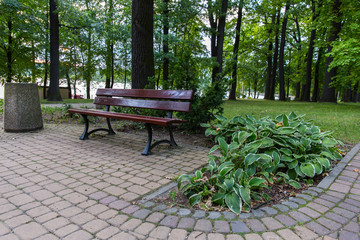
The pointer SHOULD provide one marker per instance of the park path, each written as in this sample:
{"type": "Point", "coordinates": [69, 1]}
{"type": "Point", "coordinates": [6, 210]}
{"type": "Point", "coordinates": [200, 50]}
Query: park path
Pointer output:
{"type": "Point", "coordinates": [54, 186]}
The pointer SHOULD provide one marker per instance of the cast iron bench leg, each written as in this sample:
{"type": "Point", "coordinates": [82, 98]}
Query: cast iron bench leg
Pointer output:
{"type": "Point", "coordinates": [85, 134]}
{"type": "Point", "coordinates": [148, 147]}
{"type": "Point", "coordinates": [111, 131]}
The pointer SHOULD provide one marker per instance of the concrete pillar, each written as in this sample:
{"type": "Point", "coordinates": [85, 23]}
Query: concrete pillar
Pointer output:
{"type": "Point", "coordinates": [22, 111]}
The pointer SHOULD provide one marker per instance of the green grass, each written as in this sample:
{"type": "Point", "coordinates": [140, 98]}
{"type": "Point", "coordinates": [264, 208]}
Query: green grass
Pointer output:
{"type": "Point", "coordinates": [44, 101]}
{"type": "Point", "coordinates": [343, 119]}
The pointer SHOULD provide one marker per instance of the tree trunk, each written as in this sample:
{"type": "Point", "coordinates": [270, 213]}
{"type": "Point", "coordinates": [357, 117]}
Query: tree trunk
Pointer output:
{"type": "Point", "coordinates": [46, 73]}
{"type": "Point", "coordinates": [329, 94]}
{"type": "Point", "coordinates": [232, 94]}
{"type": "Point", "coordinates": [68, 80]}
{"type": "Point", "coordinates": [166, 45]}
{"type": "Point", "coordinates": [109, 44]}
{"type": "Point", "coordinates": [355, 91]}
{"type": "Point", "coordinates": [269, 82]}
{"type": "Point", "coordinates": [281, 55]}
{"type": "Point", "coordinates": [315, 95]}
{"type": "Point", "coordinates": [275, 58]}
{"type": "Point", "coordinates": [142, 43]}
{"type": "Point", "coordinates": [298, 90]}
{"type": "Point", "coordinates": [54, 91]}
{"type": "Point", "coordinates": [9, 51]}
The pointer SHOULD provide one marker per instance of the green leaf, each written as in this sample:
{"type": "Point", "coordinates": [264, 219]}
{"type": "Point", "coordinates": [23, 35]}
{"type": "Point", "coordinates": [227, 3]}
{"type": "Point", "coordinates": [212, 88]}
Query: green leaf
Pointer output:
{"type": "Point", "coordinates": [209, 132]}
{"type": "Point", "coordinates": [251, 158]}
{"type": "Point", "coordinates": [223, 145]}
{"type": "Point", "coordinates": [284, 175]}
{"type": "Point", "coordinates": [294, 184]}
{"type": "Point", "coordinates": [238, 174]}
{"type": "Point", "coordinates": [194, 199]}
{"type": "Point", "coordinates": [292, 116]}
{"type": "Point", "coordinates": [315, 130]}
{"type": "Point", "coordinates": [251, 170]}
{"type": "Point", "coordinates": [286, 130]}
{"type": "Point", "coordinates": [225, 168]}
{"type": "Point", "coordinates": [245, 194]}
{"type": "Point", "coordinates": [293, 164]}
{"type": "Point", "coordinates": [328, 155]}
{"type": "Point", "coordinates": [229, 183]}
{"type": "Point", "coordinates": [301, 128]}
{"type": "Point", "coordinates": [285, 121]}
{"type": "Point", "coordinates": [308, 169]}
{"type": "Point", "coordinates": [276, 157]}
{"type": "Point", "coordinates": [285, 158]}
{"type": "Point", "coordinates": [242, 136]}
{"type": "Point", "coordinates": [198, 174]}
{"type": "Point", "coordinates": [318, 168]}
{"type": "Point", "coordinates": [266, 142]}
{"type": "Point", "coordinates": [254, 182]}
{"type": "Point", "coordinates": [233, 202]}
{"type": "Point", "coordinates": [207, 125]}
{"type": "Point", "coordinates": [218, 198]}
{"type": "Point", "coordinates": [292, 174]}
{"type": "Point", "coordinates": [221, 118]}
{"type": "Point", "coordinates": [324, 162]}
{"type": "Point", "coordinates": [214, 148]}
{"type": "Point", "coordinates": [286, 151]}
{"type": "Point", "coordinates": [329, 142]}
{"type": "Point", "coordinates": [183, 178]}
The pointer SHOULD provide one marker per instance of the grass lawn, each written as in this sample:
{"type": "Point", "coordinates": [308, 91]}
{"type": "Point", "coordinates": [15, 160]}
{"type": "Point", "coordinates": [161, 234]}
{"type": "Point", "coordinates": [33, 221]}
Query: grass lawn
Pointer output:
{"type": "Point", "coordinates": [44, 101]}
{"type": "Point", "coordinates": [343, 119]}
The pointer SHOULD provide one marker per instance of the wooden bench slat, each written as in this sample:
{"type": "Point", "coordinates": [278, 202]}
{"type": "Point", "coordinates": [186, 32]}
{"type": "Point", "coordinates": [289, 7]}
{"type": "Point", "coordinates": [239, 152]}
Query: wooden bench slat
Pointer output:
{"type": "Point", "coordinates": [147, 93]}
{"type": "Point", "coordinates": [141, 103]}
{"type": "Point", "coordinates": [131, 117]}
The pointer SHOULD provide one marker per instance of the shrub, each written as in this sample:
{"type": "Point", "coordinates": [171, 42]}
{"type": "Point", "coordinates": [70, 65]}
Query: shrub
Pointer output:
{"type": "Point", "coordinates": [1, 105]}
{"type": "Point", "coordinates": [256, 154]}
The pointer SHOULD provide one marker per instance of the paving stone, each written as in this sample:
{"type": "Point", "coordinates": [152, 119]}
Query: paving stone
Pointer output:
{"type": "Point", "coordinates": [30, 230]}
{"type": "Point", "coordinates": [149, 204]}
{"type": "Point", "coordinates": [343, 212]}
{"type": "Point", "coordinates": [229, 215]}
{"type": "Point", "coordinates": [221, 227]}
{"type": "Point", "coordinates": [118, 220]}
{"type": "Point", "coordinates": [312, 193]}
{"type": "Point", "coordinates": [186, 223]}
{"type": "Point", "coordinates": [17, 221]}
{"type": "Point", "coordinates": [171, 210]}
{"type": "Point", "coordinates": [253, 236]}
{"type": "Point", "coordinates": [319, 229]}
{"type": "Point", "coordinates": [271, 223]}
{"type": "Point", "coordinates": [203, 226]}
{"type": "Point", "coordinates": [330, 224]}
{"type": "Point", "coordinates": [130, 224]}
{"type": "Point", "coordinates": [291, 204]}
{"type": "Point", "coordinates": [324, 202]}
{"type": "Point", "coordinates": [47, 237]}
{"type": "Point", "coordinates": [345, 235]}
{"type": "Point", "coordinates": [300, 217]}
{"type": "Point", "coordinates": [197, 236]}
{"type": "Point", "coordinates": [107, 232]}
{"type": "Point", "coordinates": [155, 217]}
{"type": "Point", "coordinates": [214, 215]}
{"type": "Point", "coordinates": [233, 237]}
{"type": "Point", "coordinates": [160, 232]}
{"type": "Point", "coordinates": [170, 221]}
{"type": "Point", "coordinates": [178, 234]}
{"type": "Point", "coordinates": [9, 237]}
{"type": "Point", "coordinates": [352, 227]}
{"type": "Point", "coordinates": [304, 196]}
{"type": "Point", "coordinates": [216, 236]}
{"type": "Point", "coordinates": [130, 209]}
{"type": "Point", "coordinates": [304, 233]}
{"type": "Point", "coordinates": [269, 211]}
{"type": "Point", "coordinates": [258, 213]}
{"type": "Point", "coordinates": [142, 213]}
{"type": "Point", "coordinates": [66, 230]}
{"type": "Point", "coordinates": [256, 225]}
{"type": "Point", "coordinates": [160, 207]}
{"type": "Point", "coordinates": [95, 225]}
{"type": "Point", "coordinates": [3, 229]}
{"type": "Point", "coordinates": [310, 212]}
{"type": "Point", "coordinates": [199, 214]}
{"type": "Point", "coordinates": [336, 217]}
{"type": "Point", "coordinates": [352, 202]}
{"type": "Point", "coordinates": [328, 197]}
{"type": "Point", "coordinates": [349, 207]}
{"type": "Point", "coordinates": [245, 215]}
{"type": "Point", "coordinates": [319, 208]}
{"type": "Point", "coordinates": [145, 228]}
{"type": "Point", "coordinates": [316, 189]}
{"type": "Point", "coordinates": [107, 200]}
{"type": "Point", "coordinates": [270, 236]}
{"type": "Point", "coordinates": [123, 235]}
{"type": "Point", "coordinates": [119, 204]}
{"type": "Point", "coordinates": [339, 188]}
{"type": "Point", "coordinates": [184, 212]}
{"type": "Point", "coordinates": [299, 201]}
{"type": "Point", "coordinates": [286, 220]}
{"type": "Point", "coordinates": [56, 223]}
{"type": "Point", "coordinates": [288, 234]}
{"type": "Point", "coordinates": [283, 208]}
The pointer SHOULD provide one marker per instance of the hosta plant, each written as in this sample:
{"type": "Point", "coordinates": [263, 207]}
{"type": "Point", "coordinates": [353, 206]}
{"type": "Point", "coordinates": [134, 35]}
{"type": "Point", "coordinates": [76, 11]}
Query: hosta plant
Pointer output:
{"type": "Point", "coordinates": [256, 154]}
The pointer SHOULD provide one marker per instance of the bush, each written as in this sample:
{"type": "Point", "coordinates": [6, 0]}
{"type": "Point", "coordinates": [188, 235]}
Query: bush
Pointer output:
{"type": "Point", "coordinates": [1, 106]}
{"type": "Point", "coordinates": [256, 154]}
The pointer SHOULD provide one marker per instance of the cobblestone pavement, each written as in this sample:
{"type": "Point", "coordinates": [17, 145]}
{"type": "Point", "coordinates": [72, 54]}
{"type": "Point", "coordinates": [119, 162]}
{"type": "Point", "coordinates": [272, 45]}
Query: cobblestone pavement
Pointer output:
{"type": "Point", "coordinates": [54, 186]}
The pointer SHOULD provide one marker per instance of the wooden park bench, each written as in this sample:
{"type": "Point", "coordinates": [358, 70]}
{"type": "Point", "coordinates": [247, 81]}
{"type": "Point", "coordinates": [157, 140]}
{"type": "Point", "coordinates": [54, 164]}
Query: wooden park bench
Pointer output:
{"type": "Point", "coordinates": [166, 100]}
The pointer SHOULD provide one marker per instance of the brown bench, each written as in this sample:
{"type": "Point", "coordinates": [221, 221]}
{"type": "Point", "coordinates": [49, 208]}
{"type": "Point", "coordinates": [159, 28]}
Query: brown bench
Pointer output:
{"type": "Point", "coordinates": [166, 100]}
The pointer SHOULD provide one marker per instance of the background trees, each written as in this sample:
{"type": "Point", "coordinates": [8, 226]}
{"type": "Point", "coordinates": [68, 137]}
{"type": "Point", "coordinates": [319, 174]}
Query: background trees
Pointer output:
{"type": "Point", "coordinates": [275, 49]}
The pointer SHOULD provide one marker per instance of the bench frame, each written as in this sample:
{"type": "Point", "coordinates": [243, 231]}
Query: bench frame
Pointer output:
{"type": "Point", "coordinates": [138, 98]}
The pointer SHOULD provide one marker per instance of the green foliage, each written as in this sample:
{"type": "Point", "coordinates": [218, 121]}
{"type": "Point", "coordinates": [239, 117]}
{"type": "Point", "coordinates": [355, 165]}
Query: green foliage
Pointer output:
{"type": "Point", "coordinates": [1, 106]}
{"type": "Point", "coordinates": [256, 154]}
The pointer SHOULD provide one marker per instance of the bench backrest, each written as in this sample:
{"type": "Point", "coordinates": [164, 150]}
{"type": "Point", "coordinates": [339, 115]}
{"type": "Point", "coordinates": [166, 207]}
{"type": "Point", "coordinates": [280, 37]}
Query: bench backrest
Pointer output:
{"type": "Point", "coordinates": [168, 100]}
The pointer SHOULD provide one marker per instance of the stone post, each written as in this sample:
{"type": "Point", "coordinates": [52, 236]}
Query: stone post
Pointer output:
{"type": "Point", "coordinates": [22, 111]}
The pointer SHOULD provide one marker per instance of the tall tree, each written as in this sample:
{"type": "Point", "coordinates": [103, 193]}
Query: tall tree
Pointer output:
{"type": "Point", "coordinates": [282, 54]}
{"type": "Point", "coordinates": [142, 43]}
{"type": "Point", "coordinates": [166, 44]}
{"type": "Point", "coordinates": [109, 45]}
{"type": "Point", "coordinates": [232, 94]}
{"type": "Point", "coordinates": [54, 91]}
{"type": "Point", "coordinates": [328, 90]}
